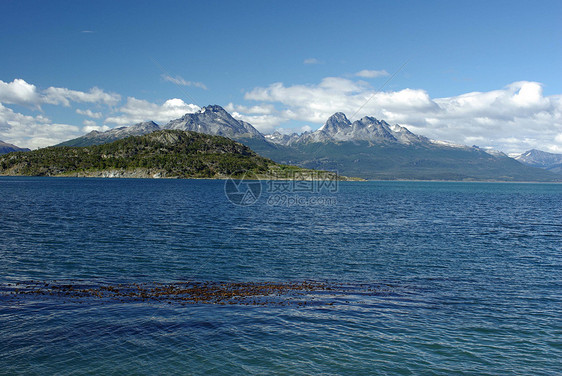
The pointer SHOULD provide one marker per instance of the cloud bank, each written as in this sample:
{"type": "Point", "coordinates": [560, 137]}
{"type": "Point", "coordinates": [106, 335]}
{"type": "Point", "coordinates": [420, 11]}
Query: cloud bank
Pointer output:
{"type": "Point", "coordinates": [138, 110]}
{"type": "Point", "coordinates": [35, 131]}
{"type": "Point", "coordinates": [514, 118]}
{"type": "Point", "coordinates": [22, 93]}
{"type": "Point", "coordinates": [89, 113]}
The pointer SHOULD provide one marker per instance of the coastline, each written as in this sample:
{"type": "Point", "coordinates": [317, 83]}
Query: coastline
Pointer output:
{"type": "Point", "coordinates": [160, 174]}
{"type": "Point", "coordinates": [157, 176]}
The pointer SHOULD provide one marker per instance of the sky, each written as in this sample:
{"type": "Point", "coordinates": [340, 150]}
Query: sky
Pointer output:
{"type": "Point", "coordinates": [484, 73]}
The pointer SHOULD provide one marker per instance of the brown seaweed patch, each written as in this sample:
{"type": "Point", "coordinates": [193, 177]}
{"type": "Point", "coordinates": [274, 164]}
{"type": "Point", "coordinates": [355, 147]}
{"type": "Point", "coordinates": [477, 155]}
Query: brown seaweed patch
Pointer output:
{"type": "Point", "coordinates": [206, 292]}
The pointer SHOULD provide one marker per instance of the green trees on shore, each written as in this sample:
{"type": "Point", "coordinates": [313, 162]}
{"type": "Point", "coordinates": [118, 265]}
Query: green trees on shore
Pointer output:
{"type": "Point", "coordinates": [171, 152]}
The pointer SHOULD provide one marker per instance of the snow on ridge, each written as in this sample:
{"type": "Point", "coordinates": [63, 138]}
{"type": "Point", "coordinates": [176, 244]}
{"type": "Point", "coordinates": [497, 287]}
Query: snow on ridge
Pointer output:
{"type": "Point", "coordinates": [447, 143]}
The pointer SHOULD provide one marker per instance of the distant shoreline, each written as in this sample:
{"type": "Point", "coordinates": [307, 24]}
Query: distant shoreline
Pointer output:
{"type": "Point", "coordinates": [264, 178]}
{"type": "Point", "coordinates": [137, 175]}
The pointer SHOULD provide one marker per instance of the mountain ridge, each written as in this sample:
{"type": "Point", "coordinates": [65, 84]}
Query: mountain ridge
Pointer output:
{"type": "Point", "coordinates": [541, 159]}
{"type": "Point", "coordinates": [339, 128]}
{"type": "Point", "coordinates": [6, 147]}
{"type": "Point", "coordinates": [212, 119]}
{"type": "Point", "coordinates": [368, 148]}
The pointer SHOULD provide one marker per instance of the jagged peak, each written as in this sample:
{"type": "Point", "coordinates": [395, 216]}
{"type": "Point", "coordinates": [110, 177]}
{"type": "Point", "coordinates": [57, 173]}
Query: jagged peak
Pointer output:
{"type": "Point", "coordinates": [340, 118]}
{"type": "Point", "coordinates": [365, 121]}
{"type": "Point", "coordinates": [212, 108]}
{"type": "Point", "coordinates": [336, 122]}
{"type": "Point", "coordinates": [370, 119]}
{"type": "Point", "coordinates": [396, 128]}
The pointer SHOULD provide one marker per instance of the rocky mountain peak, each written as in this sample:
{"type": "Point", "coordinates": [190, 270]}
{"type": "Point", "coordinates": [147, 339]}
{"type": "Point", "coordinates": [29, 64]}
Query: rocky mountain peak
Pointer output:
{"type": "Point", "coordinates": [213, 109]}
{"type": "Point", "coordinates": [539, 158]}
{"type": "Point", "coordinates": [336, 123]}
{"type": "Point", "coordinates": [369, 121]}
{"type": "Point", "coordinates": [338, 128]}
{"type": "Point", "coordinates": [214, 120]}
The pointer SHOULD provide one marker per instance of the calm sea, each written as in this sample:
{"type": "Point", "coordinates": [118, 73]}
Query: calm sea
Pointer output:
{"type": "Point", "coordinates": [440, 278]}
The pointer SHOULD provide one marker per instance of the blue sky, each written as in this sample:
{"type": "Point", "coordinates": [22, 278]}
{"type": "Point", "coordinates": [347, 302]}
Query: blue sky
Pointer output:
{"type": "Point", "coordinates": [477, 72]}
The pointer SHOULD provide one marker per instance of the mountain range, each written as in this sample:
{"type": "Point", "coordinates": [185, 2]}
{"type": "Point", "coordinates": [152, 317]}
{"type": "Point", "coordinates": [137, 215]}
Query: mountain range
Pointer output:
{"type": "Point", "coordinates": [159, 154]}
{"type": "Point", "coordinates": [212, 120]}
{"type": "Point", "coordinates": [366, 148]}
{"type": "Point", "coordinates": [8, 148]}
{"type": "Point", "coordinates": [541, 159]}
{"type": "Point", "coordinates": [338, 128]}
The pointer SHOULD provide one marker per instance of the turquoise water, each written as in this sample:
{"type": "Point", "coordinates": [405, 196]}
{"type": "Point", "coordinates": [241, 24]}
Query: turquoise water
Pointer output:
{"type": "Point", "coordinates": [472, 276]}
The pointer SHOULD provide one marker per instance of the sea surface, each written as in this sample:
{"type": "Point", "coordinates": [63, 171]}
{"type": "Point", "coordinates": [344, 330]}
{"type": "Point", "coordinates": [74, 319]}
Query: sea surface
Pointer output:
{"type": "Point", "coordinates": [429, 278]}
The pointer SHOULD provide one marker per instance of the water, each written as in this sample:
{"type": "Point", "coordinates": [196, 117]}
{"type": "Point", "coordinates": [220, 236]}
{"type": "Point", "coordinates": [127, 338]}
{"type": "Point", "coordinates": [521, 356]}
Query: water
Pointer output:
{"type": "Point", "coordinates": [472, 275]}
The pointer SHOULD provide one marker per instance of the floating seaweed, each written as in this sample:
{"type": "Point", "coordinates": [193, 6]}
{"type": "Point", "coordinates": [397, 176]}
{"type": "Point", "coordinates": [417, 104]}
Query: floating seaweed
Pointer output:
{"type": "Point", "coordinates": [204, 292]}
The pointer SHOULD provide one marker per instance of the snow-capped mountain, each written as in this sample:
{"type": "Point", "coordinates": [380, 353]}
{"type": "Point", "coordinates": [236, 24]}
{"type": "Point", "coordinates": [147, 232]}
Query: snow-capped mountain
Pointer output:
{"type": "Point", "coordinates": [214, 120]}
{"type": "Point", "coordinates": [368, 148]}
{"type": "Point", "coordinates": [283, 139]}
{"type": "Point", "coordinates": [339, 128]}
{"type": "Point", "coordinates": [541, 159]}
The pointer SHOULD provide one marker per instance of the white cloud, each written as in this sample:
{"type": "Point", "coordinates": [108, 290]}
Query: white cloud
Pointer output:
{"type": "Point", "coordinates": [25, 94]}
{"type": "Point", "coordinates": [90, 125]}
{"type": "Point", "coordinates": [259, 116]}
{"type": "Point", "coordinates": [313, 103]}
{"type": "Point", "coordinates": [138, 110]}
{"type": "Point", "coordinates": [180, 81]}
{"type": "Point", "coordinates": [19, 92]}
{"type": "Point", "coordinates": [40, 131]}
{"type": "Point", "coordinates": [365, 73]}
{"type": "Point", "coordinates": [304, 128]}
{"type": "Point", "coordinates": [89, 113]}
{"type": "Point", "coordinates": [60, 95]}
{"type": "Point", "coordinates": [33, 131]}
{"type": "Point", "coordinates": [260, 109]}
{"type": "Point", "coordinates": [514, 118]}
{"type": "Point", "coordinates": [311, 60]}
{"type": "Point", "coordinates": [263, 123]}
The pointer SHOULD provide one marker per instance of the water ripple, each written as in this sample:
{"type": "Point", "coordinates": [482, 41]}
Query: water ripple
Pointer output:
{"type": "Point", "coordinates": [473, 274]}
